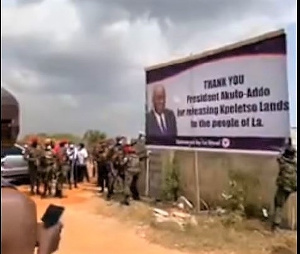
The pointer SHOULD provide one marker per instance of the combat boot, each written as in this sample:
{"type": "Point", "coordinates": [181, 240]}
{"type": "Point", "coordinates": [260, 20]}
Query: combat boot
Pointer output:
{"type": "Point", "coordinates": [275, 228]}
{"type": "Point", "coordinates": [44, 195]}
{"type": "Point", "coordinates": [136, 198]}
{"type": "Point", "coordinates": [125, 202]}
{"type": "Point", "coordinates": [58, 194]}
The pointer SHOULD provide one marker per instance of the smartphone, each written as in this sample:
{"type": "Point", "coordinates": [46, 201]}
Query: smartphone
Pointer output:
{"type": "Point", "coordinates": [52, 215]}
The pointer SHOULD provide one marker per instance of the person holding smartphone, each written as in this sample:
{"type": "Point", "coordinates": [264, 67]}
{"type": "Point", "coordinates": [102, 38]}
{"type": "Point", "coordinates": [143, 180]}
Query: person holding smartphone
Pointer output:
{"type": "Point", "coordinates": [21, 233]}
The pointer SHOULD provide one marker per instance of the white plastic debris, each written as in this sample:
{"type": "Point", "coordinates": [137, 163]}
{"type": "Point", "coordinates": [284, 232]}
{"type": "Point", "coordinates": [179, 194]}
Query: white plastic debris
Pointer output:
{"type": "Point", "coordinates": [185, 203]}
{"type": "Point", "coordinates": [161, 212]}
{"type": "Point", "coordinates": [265, 213]}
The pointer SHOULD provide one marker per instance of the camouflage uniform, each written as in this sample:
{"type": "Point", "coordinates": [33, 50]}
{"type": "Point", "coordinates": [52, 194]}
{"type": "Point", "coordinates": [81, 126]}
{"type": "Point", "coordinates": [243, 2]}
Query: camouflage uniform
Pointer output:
{"type": "Point", "coordinates": [61, 171]}
{"type": "Point", "coordinates": [286, 183]}
{"type": "Point", "coordinates": [114, 167]}
{"type": "Point", "coordinates": [47, 169]}
{"type": "Point", "coordinates": [31, 155]}
{"type": "Point", "coordinates": [131, 177]}
{"type": "Point", "coordinates": [102, 168]}
{"type": "Point", "coordinates": [142, 153]}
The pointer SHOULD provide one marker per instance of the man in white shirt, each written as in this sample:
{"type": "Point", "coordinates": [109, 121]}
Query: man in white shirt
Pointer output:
{"type": "Point", "coordinates": [73, 174]}
{"type": "Point", "coordinates": [82, 156]}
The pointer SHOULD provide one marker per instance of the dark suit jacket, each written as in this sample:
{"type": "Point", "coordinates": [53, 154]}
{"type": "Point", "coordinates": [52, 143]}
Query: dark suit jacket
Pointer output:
{"type": "Point", "coordinates": [153, 131]}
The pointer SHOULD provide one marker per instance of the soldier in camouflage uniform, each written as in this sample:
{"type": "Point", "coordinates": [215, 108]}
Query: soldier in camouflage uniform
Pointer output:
{"type": "Point", "coordinates": [286, 182]}
{"type": "Point", "coordinates": [142, 153]}
{"type": "Point", "coordinates": [113, 165]}
{"type": "Point", "coordinates": [47, 167]}
{"type": "Point", "coordinates": [100, 156]}
{"type": "Point", "coordinates": [31, 155]}
{"type": "Point", "coordinates": [62, 169]}
{"type": "Point", "coordinates": [131, 176]}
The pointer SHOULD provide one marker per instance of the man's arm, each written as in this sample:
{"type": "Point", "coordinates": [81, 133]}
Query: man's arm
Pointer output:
{"type": "Point", "coordinates": [20, 228]}
{"type": "Point", "coordinates": [19, 225]}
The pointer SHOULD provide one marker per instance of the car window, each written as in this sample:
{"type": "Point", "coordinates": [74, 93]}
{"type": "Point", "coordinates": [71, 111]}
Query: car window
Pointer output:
{"type": "Point", "coordinates": [11, 151]}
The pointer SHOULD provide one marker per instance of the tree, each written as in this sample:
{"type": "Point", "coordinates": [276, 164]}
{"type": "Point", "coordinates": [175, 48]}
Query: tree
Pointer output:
{"type": "Point", "coordinates": [66, 136]}
{"type": "Point", "coordinates": [55, 136]}
{"type": "Point", "coordinates": [91, 137]}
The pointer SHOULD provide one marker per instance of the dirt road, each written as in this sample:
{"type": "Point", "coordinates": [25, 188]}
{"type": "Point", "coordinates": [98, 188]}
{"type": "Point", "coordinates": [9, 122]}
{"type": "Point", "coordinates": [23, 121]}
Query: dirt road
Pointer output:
{"type": "Point", "coordinates": [87, 232]}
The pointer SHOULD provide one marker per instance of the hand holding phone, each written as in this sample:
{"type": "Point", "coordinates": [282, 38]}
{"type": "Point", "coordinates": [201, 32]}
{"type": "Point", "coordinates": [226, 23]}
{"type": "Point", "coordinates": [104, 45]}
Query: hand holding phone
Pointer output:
{"type": "Point", "coordinates": [52, 215]}
{"type": "Point", "coordinates": [48, 239]}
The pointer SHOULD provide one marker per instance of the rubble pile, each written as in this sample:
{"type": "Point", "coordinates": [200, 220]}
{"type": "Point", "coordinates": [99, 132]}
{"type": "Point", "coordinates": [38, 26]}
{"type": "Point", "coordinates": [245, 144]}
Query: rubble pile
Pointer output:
{"type": "Point", "coordinates": [180, 213]}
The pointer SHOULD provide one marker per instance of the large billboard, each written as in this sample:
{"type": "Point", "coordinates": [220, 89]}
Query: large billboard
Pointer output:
{"type": "Point", "coordinates": [232, 98]}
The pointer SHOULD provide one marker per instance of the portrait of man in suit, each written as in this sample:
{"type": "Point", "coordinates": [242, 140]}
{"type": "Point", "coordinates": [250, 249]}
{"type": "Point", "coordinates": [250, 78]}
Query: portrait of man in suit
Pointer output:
{"type": "Point", "coordinates": [160, 121]}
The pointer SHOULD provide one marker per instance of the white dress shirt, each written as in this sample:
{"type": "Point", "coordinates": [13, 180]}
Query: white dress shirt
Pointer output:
{"type": "Point", "coordinates": [82, 156]}
{"type": "Point", "coordinates": [72, 153]}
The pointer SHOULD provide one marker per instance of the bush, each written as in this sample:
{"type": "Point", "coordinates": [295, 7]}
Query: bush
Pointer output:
{"type": "Point", "coordinates": [241, 198]}
{"type": "Point", "coordinates": [171, 178]}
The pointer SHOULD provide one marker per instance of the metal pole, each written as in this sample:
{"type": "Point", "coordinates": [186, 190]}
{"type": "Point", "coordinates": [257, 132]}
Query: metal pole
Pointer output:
{"type": "Point", "coordinates": [147, 189]}
{"type": "Point", "coordinates": [198, 198]}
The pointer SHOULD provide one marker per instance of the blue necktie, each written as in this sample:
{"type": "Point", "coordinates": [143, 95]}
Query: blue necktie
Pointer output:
{"type": "Point", "coordinates": [162, 124]}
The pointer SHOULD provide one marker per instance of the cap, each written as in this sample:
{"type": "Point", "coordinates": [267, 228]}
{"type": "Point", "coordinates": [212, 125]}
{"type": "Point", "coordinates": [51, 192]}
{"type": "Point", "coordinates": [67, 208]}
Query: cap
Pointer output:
{"type": "Point", "coordinates": [34, 140]}
{"type": "Point", "coordinates": [62, 143]}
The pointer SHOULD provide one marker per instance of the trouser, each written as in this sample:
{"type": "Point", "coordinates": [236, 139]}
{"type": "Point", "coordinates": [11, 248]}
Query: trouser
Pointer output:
{"type": "Point", "coordinates": [69, 178]}
{"type": "Point", "coordinates": [79, 174]}
{"type": "Point", "coordinates": [46, 176]}
{"type": "Point", "coordinates": [60, 176]}
{"type": "Point", "coordinates": [94, 168]}
{"type": "Point", "coordinates": [34, 179]}
{"type": "Point", "coordinates": [280, 199]}
{"type": "Point", "coordinates": [112, 178]}
{"type": "Point", "coordinates": [130, 186]}
{"type": "Point", "coordinates": [134, 187]}
{"type": "Point", "coordinates": [102, 176]}
{"type": "Point", "coordinates": [72, 175]}
{"type": "Point", "coordinates": [83, 173]}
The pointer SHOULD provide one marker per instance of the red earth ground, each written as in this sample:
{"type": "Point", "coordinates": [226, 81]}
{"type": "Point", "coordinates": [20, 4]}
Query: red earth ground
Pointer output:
{"type": "Point", "coordinates": [86, 232]}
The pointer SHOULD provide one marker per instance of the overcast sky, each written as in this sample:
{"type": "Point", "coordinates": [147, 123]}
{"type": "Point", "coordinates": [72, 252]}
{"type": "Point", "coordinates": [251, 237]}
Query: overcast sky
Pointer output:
{"type": "Point", "coordinates": [77, 65]}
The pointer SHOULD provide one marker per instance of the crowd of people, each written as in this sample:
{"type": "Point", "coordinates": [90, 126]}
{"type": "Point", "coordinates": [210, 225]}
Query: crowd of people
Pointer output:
{"type": "Point", "coordinates": [53, 165]}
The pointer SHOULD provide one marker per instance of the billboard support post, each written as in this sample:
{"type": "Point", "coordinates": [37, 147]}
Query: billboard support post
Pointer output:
{"type": "Point", "coordinates": [198, 194]}
{"type": "Point", "coordinates": [147, 175]}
